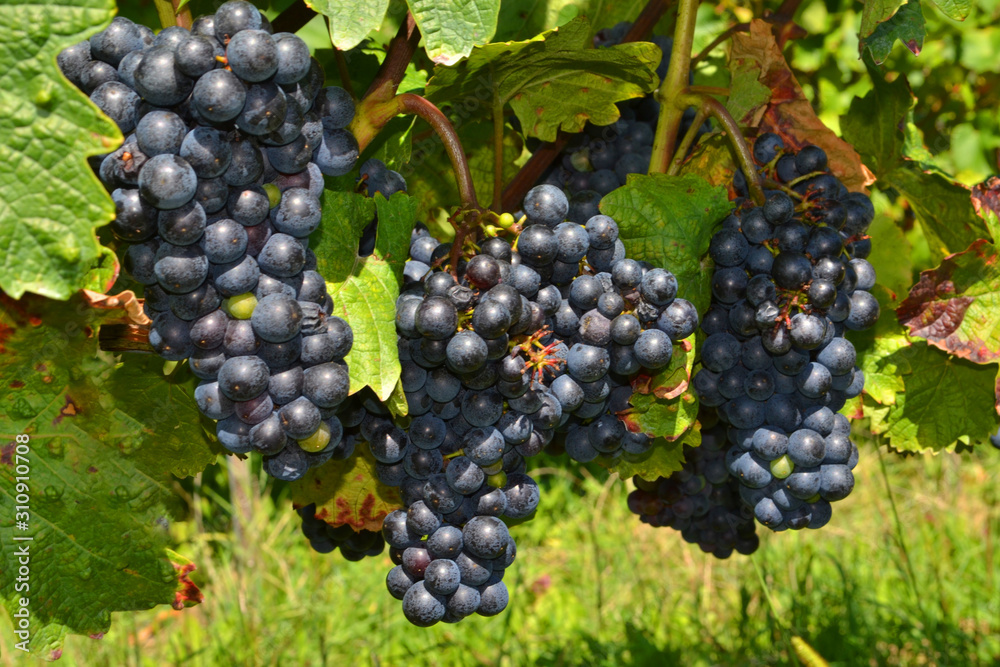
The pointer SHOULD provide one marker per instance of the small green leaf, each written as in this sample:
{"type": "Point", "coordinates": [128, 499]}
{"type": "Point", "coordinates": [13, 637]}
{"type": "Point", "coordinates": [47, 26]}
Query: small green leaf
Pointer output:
{"type": "Point", "coordinates": [663, 405]}
{"type": "Point", "coordinates": [555, 81]}
{"type": "Point", "coordinates": [663, 458]}
{"type": "Point", "coordinates": [451, 28]}
{"type": "Point", "coordinates": [350, 20]}
{"type": "Point", "coordinates": [668, 221]}
{"type": "Point", "coordinates": [100, 495]}
{"type": "Point", "coordinates": [50, 200]}
{"type": "Point", "coordinates": [347, 493]}
{"type": "Point", "coordinates": [364, 289]}
{"type": "Point", "coordinates": [956, 306]}
{"type": "Point", "coordinates": [906, 25]}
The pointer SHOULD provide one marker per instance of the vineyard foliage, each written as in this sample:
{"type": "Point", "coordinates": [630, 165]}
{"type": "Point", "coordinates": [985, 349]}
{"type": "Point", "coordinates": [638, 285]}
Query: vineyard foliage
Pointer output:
{"type": "Point", "coordinates": [912, 123]}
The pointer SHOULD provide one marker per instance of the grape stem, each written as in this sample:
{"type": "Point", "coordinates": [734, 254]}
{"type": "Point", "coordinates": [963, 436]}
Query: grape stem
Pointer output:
{"type": "Point", "coordinates": [419, 106]}
{"type": "Point", "coordinates": [171, 16]}
{"type": "Point", "coordinates": [541, 158]}
{"type": "Point", "coordinates": [675, 97]}
{"type": "Point", "coordinates": [718, 111]}
{"type": "Point", "coordinates": [671, 88]}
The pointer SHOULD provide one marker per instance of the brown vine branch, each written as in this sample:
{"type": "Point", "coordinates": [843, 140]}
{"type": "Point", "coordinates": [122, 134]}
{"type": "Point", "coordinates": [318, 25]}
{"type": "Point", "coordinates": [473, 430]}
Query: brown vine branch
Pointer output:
{"type": "Point", "coordinates": [401, 50]}
{"type": "Point", "coordinates": [646, 20]}
{"type": "Point", "coordinates": [532, 170]}
{"type": "Point", "coordinates": [294, 18]}
{"type": "Point", "coordinates": [342, 72]}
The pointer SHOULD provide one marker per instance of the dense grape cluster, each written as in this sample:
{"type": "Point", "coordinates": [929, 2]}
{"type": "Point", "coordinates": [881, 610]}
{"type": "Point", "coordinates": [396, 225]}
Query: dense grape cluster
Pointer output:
{"type": "Point", "coordinates": [701, 500]}
{"type": "Point", "coordinates": [790, 280]}
{"type": "Point", "coordinates": [599, 159]}
{"type": "Point", "coordinates": [533, 340]}
{"type": "Point", "coordinates": [324, 538]}
{"type": "Point", "coordinates": [229, 132]}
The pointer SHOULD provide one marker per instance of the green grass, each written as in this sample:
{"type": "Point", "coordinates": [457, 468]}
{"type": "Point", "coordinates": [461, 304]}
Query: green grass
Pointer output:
{"type": "Point", "coordinates": [902, 578]}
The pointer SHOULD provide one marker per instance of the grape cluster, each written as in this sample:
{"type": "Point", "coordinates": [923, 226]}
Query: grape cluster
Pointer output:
{"type": "Point", "coordinates": [599, 159]}
{"type": "Point", "coordinates": [701, 500]}
{"type": "Point", "coordinates": [790, 280]}
{"type": "Point", "coordinates": [533, 340]}
{"type": "Point", "coordinates": [229, 132]}
{"type": "Point", "coordinates": [354, 544]}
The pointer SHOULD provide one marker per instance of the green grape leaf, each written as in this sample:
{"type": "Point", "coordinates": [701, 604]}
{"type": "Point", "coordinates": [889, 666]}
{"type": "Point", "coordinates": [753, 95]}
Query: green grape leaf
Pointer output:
{"type": "Point", "coordinates": [50, 200]}
{"type": "Point", "coordinates": [880, 126]}
{"type": "Point", "coordinates": [431, 181]}
{"type": "Point", "coordinates": [906, 24]}
{"type": "Point", "coordinates": [948, 402]}
{"type": "Point", "coordinates": [397, 402]}
{"type": "Point", "coordinates": [942, 207]}
{"type": "Point", "coordinates": [555, 81]}
{"type": "Point", "coordinates": [364, 289]}
{"type": "Point", "coordinates": [956, 10]}
{"type": "Point", "coordinates": [347, 493]}
{"type": "Point", "coordinates": [668, 221]}
{"type": "Point", "coordinates": [892, 251]}
{"type": "Point", "coordinates": [663, 458]}
{"type": "Point", "coordinates": [876, 12]}
{"type": "Point", "coordinates": [956, 306]}
{"type": "Point", "coordinates": [873, 123]}
{"type": "Point", "coordinates": [98, 503]}
{"type": "Point", "coordinates": [663, 406]}
{"type": "Point", "coordinates": [350, 21]}
{"type": "Point", "coordinates": [155, 417]}
{"type": "Point", "coordinates": [524, 19]}
{"type": "Point", "coordinates": [451, 28]}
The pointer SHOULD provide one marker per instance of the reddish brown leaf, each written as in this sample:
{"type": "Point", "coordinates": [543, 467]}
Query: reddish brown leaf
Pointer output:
{"type": "Point", "coordinates": [790, 114]}
{"type": "Point", "coordinates": [954, 306]}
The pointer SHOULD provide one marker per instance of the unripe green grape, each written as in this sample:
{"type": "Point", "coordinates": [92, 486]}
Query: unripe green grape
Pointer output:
{"type": "Point", "coordinates": [498, 480]}
{"type": "Point", "coordinates": [782, 467]}
{"type": "Point", "coordinates": [273, 194]}
{"type": "Point", "coordinates": [318, 440]}
{"type": "Point", "coordinates": [241, 306]}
